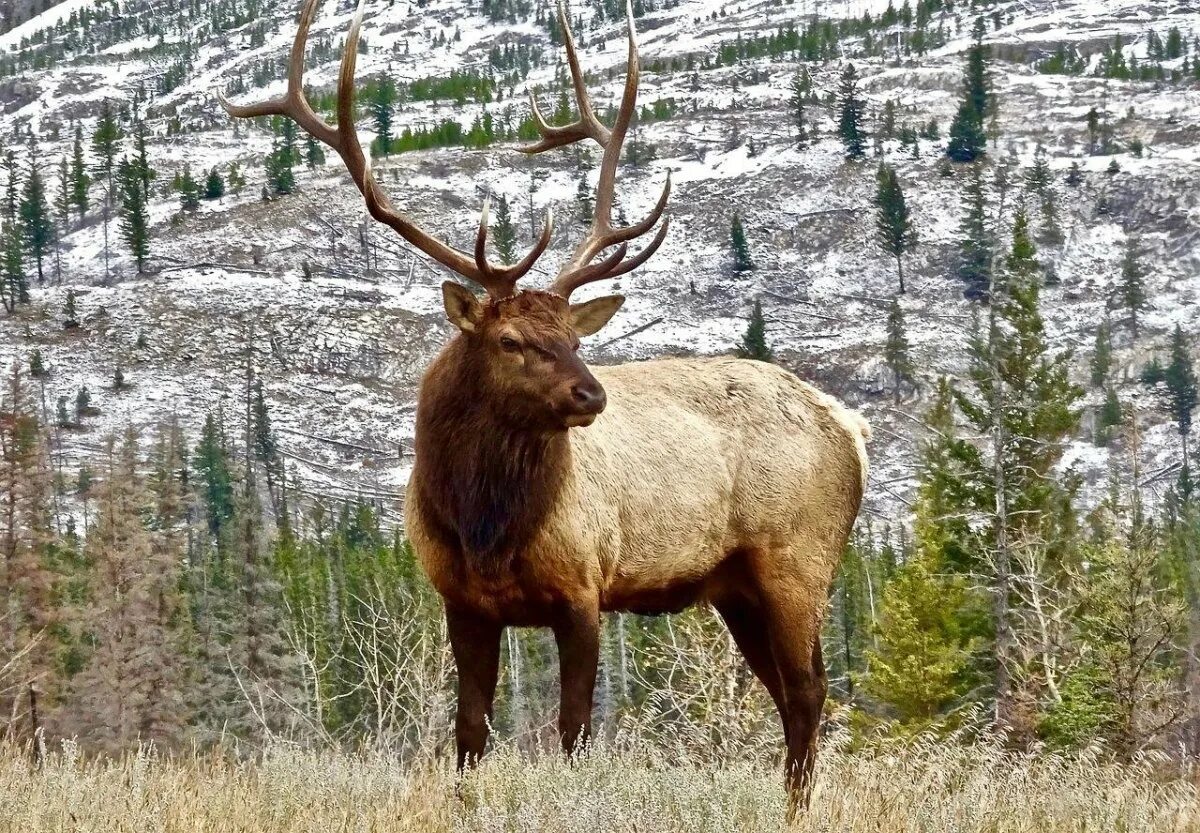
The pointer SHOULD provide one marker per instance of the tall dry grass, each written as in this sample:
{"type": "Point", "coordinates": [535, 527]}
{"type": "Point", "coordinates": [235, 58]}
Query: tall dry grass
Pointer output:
{"type": "Point", "coordinates": [922, 787]}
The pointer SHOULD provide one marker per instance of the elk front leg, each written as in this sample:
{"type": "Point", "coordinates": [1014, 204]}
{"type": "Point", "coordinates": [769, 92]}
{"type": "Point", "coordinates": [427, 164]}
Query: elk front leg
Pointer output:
{"type": "Point", "coordinates": [578, 638]}
{"type": "Point", "coordinates": [475, 642]}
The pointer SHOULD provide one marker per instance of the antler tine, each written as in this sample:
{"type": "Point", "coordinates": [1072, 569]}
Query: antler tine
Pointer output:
{"type": "Point", "coordinates": [499, 281]}
{"type": "Point", "coordinates": [587, 126]}
{"type": "Point", "coordinates": [579, 269]}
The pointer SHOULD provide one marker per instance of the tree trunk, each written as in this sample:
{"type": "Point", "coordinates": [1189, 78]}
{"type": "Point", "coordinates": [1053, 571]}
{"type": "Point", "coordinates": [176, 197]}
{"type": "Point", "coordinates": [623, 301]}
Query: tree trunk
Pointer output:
{"type": "Point", "coordinates": [900, 271]}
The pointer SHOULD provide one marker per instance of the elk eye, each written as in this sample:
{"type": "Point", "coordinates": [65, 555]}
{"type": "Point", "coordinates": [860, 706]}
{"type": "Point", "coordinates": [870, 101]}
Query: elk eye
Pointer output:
{"type": "Point", "coordinates": [509, 344]}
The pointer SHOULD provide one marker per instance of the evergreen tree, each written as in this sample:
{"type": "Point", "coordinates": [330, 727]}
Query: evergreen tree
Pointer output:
{"type": "Point", "coordinates": [215, 483]}
{"type": "Point", "coordinates": [1102, 358]}
{"type": "Point", "coordinates": [70, 319]}
{"type": "Point", "coordinates": [1179, 377]}
{"type": "Point", "coordinates": [314, 155]}
{"type": "Point", "coordinates": [1130, 292]}
{"type": "Point", "coordinates": [893, 223]}
{"type": "Point", "coordinates": [382, 105]}
{"type": "Point", "coordinates": [79, 179]}
{"type": "Point", "coordinates": [742, 262]}
{"type": "Point", "coordinates": [105, 143]}
{"type": "Point", "coordinates": [1074, 175]}
{"type": "Point", "coordinates": [62, 202]}
{"type": "Point", "coordinates": [141, 160]}
{"type": "Point", "coordinates": [896, 350]}
{"type": "Point", "coordinates": [851, 111]}
{"type": "Point", "coordinates": [754, 342]}
{"type": "Point", "coordinates": [801, 89]}
{"type": "Point", "coordinates": [131, 689]}
{"type": "Point", "coordinates": [12, 192]}
{"type": "Point", "coordinates": [36, 222]}
{"type": "Point", "coordinates": [975, 241]}
{"type": "Point", "coordinates": [189, 190]}
{"type": "Point", "coordinates": [214, 185]}
{"type": "Point", "coordinates": [14, 284]}
{"type": "Point", "coordinates": [583, 199]}
{"type": "Point", "coordinates": [281, 161]}
{"type": "Point", "coordinates": [135, 219]}
{"type": "Point", "coordinates": [505, 233]}
{"type": "Point", "coordinates": [922, 660]}
{"type": "Point", "coordinates": [967, 138]}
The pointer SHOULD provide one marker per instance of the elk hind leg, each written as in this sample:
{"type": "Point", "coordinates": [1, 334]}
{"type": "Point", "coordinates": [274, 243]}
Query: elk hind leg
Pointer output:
{"type": "Point", "coordinates": [793, 611]}
{"type": "Point", "coordinates": [748, 626]}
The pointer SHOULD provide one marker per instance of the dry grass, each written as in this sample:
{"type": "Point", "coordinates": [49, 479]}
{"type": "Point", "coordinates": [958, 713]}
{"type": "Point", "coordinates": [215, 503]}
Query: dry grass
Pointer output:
{"type": "Point", "coordinates": [924, 787]}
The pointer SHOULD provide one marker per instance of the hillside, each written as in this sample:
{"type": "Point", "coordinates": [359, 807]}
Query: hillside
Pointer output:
{"type": "Point", "coordinates": [340, 317]}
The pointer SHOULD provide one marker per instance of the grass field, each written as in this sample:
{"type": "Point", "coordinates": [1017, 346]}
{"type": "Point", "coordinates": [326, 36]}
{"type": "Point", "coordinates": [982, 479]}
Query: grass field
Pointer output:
{"type": "Point", "coordinates": [922, 788]}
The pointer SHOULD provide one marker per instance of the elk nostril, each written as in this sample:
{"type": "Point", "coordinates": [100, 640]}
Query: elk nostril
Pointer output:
{"type": "Point", "coordinates": [589, 396]}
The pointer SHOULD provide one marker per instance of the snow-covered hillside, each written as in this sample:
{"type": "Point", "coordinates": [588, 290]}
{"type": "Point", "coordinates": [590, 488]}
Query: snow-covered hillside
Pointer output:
{"type": "Point", "coordinates": [340, 317]}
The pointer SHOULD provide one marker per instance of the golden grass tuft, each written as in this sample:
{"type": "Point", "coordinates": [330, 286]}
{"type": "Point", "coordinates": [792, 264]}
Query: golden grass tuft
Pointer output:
{"type": "Point", "coordinates": [923, 787]}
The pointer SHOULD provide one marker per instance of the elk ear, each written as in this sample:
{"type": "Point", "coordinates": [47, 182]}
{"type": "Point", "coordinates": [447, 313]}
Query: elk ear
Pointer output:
{"type": "Point", "coordinates": [587, 318]}
{"type": "Point", "coordinates": [462, 308]}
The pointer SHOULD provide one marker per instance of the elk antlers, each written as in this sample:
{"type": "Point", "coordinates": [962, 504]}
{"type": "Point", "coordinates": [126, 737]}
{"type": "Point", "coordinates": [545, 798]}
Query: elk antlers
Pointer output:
{"type": "Point", "coordinates": [499, 281]}
{"type": "Point", "coordinates": [580, 269]}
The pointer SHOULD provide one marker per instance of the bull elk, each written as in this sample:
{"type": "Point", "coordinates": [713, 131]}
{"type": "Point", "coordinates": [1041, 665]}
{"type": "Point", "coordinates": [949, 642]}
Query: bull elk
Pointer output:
{"type": "Point", "coordinates": [544, 493]}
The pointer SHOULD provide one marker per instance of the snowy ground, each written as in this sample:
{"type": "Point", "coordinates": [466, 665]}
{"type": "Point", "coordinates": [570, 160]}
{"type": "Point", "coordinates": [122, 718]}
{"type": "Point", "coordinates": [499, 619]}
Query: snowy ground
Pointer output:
{"type": "Point", "coordinates": [341, 354]}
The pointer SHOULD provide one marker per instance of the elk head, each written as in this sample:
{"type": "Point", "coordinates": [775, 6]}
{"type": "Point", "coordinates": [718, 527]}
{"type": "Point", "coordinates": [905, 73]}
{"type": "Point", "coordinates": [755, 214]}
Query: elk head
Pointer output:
{"type": "Point", "coordinates": [521, 345]}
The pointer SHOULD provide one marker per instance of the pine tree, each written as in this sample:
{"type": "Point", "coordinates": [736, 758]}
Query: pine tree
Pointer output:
{"type": "Point", "coordinates": [801, 88]}
{"type": "Point", "coordinates": [132, 686]}
{"type": "Point", "coordinates": [281, 161]}
{"type": "Point", "coordinates": [135, 219]}
{"type": "Point", "coordinates": [36, 222]}
{"type": "Point", "coordinates": [215, 483]}
{"type": "Point", "coordinates": [967, 138]}
{"type": "Point", "coordinates": [382, 105]}
{"type": "Point", "coordinates": [896, 350]}
{"type": "Point", "coordinates": [105, 141]}
{"type": "Point", "coordinates": [505, 233]}
{"type": "Point", "coordinates": [12, 192]}
{"type": "Point", "coordinates": [14, 284]}
{"type": "Point", "coordinates": [742, 262]}
{"type": "Point", "coordinates": [1179, 377]}
{"type": "Point", "coordinates": [80, 180]}
{"type": "Point", "coordinates": [214, 185]}
{"type": "Point", "coordinates": [583, 199]}
{"type": "Point", "coordinates": [1074, 175]}
{"type": "Point", "coordinates": [754, 342]}
{"type": "Point", "coordinates": [1130, 293]}
{"type": "Point", "coordinates": [314, 155]}
{"type": "Point", "coordinates": [189, 190]}
{"type": "Point", "coordinates": [851, 111]}
{"type": "Point", "coordinates": [975, 241]}
{"type": "Point", "coordinates": [70, 319]}
{"type": "Point", "coordinates": [893, 223]}
{"type": "Point", "coordinates": [141, 160]}
{"type": "Point", "coordinates": [62, 202]}
{"type": "Point", "coordinates": [1102, 358]}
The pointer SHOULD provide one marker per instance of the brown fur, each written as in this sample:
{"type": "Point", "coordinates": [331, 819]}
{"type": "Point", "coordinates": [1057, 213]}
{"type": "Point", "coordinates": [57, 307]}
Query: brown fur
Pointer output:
{"type": "Point", "coordinates": [704, 480]}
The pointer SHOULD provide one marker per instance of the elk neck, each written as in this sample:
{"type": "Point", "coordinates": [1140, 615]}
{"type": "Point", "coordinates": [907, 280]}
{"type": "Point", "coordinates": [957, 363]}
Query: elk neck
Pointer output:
{"type": "Point", "coordinates": [487, 481]}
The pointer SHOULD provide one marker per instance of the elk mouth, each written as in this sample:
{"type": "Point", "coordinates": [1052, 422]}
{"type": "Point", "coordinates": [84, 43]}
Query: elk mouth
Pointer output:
{"type": "Point", "coordinates": [580, 420]}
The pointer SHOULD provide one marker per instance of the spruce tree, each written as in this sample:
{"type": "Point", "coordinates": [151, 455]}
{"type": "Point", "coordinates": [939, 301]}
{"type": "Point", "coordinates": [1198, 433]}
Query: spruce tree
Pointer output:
{"type": "Point", "coordinates": [135, 219]}
{"type": "Point", "coordinates": [141, 160]}
{"type": "Point", "coordinates": [975, 239]}
{"type": "Point", "coordinates": [1102, 358]}
{"type": "Point", "coordinates": [754, 342]}
{"type": "Point", "coordinates": [12, 188]}
{"type": "Point", "coordinates": [851, 110]}
{"type": "Point", "coordinates": [1179, 377]}
{"type": "Point", "coordinates": [14, 284]}
{"type": "Point", "coordinates": [70, 315]}
{"type": "Point", "coordinates": [504, 234]}
{"type": "Point", "coordinates": [1074, 175]}
{"type": "Point", "coordinates": [893, 223]}
{"type": "Point", "coordinates": [967, 138]}
{"type": "Point", "coordinates": [740, 247]}
{"type": "Point", "coordinates": [801, 88]}
{"type": "Point", "coordinates": [314, 155]}
{"type": "Point", "coordinates": [215, 483]}
{"type": "Point", "coordinates": [1130, 292]}
{"type": "Point", "coordinates": [382, 105]}
{"type": "Point", "coordinates": [80, 180]}
{"type": "Point", "coordinates": [36, 222]}
{"type": "Point", "coordinates": [214, 185]}
{"type": "Point", "coordinates": [584, 199]}
{"type": "Point", "coordinates": [189, 190]}
{"type": "Point", "coordinates": [896, 350]}
{"type": "Point", "coordinates": [105, 141]}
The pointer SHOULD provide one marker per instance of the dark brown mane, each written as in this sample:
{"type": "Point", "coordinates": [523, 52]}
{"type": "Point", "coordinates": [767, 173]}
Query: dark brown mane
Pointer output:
{"type": "Point", "coordinates": [488, 481]}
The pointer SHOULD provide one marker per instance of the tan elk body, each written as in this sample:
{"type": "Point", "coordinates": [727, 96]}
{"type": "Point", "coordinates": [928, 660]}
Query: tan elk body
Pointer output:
{"type": "Point", "coordinates": [544, 493]}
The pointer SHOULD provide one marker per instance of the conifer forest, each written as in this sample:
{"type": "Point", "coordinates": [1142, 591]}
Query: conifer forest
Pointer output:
{"type": "Point", "coordinates": [974, 222]}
